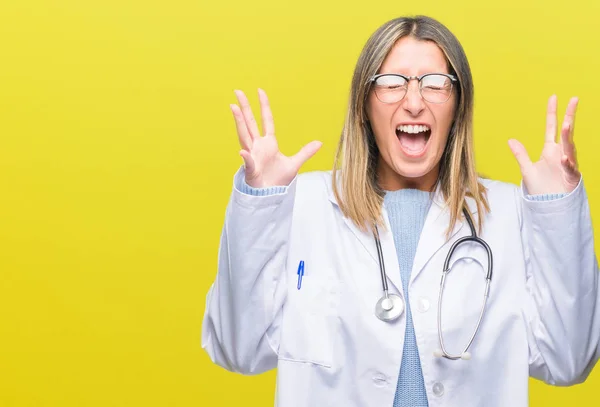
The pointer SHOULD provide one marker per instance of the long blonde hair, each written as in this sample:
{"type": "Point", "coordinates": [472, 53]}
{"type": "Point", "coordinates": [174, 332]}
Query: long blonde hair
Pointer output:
{"type": "Point", "coordinates": [355, 168]}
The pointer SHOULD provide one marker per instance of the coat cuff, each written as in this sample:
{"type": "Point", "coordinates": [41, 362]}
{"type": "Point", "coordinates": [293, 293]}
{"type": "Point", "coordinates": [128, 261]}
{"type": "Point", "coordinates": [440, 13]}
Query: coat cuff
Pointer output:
{"type": "Point", "coordinates": [556, 203]}
{"type": "Point", "coordinates": [545, 197]}
{"type": "Point", "coordinates": [248, 196]}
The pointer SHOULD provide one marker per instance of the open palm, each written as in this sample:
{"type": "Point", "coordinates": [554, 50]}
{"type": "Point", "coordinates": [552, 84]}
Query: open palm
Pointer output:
{"type": "Point", "coordinates": [556, 171]}
{"type": "Point", "coordinates": [264, 164]}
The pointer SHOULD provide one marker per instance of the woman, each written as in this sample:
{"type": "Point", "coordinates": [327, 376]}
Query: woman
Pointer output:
{"type": "Point", "coordinates": [334, 278]}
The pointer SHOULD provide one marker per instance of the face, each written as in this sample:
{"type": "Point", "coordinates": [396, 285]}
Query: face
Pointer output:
{"type": "Point", "coordinates": [411, 134]}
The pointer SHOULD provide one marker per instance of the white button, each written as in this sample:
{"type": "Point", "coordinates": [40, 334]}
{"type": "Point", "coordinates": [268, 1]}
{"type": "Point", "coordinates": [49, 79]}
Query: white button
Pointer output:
{"type": "Point", "coordinates": [438, 389]}
{"type": "Point", "coordinates": [380, 380]}
{"type": "Point", "coordinates": [423, 304]}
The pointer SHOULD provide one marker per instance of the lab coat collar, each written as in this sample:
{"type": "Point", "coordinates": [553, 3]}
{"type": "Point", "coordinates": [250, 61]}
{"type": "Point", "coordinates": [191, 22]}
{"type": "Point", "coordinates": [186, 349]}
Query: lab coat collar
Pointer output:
{"type": "Point", "coordinates": [433, 236]}
{"type": "Point", "coordinates": [432, 239]}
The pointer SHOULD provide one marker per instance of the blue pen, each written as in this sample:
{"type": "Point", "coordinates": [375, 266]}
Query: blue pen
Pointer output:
{"type": "Point", "coordinates": [300, 273]}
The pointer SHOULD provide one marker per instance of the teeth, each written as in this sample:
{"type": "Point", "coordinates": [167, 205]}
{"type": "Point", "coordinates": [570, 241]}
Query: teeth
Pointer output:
{"type": "Point", "coordinates": [412, 129]}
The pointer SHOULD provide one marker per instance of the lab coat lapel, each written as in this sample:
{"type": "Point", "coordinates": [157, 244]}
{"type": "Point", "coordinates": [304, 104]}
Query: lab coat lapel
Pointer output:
{"type": "Point", "coordinates": [388, 248]}
{"type": "Point", "coordinates": [433, 236]}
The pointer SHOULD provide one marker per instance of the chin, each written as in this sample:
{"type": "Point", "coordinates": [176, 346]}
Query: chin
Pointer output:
{"type": "Point", "coordinates": [412, 167]}
{"type": "Point", "coordinates": [411, 174]}
{"type": "Point", "coordinates": [413, 171]}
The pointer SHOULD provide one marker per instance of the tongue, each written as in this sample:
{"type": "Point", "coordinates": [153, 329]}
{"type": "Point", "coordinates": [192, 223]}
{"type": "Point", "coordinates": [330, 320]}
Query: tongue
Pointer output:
{"type": "Point", "coordinates": [413, 142]}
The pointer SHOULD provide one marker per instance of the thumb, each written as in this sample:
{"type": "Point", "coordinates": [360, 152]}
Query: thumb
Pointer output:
{"type": "Point", "coordinates": [306, 152]}
{"type": "Point", "coordinates": [520, 154]}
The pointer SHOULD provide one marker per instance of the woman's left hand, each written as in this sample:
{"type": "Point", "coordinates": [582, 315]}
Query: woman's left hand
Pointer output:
{"type": "Point", "coordinates": [556, 171]}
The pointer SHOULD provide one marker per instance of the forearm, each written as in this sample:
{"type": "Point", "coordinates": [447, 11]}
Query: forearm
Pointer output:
{"type": "Point", "coordinates": [243, 303]}
{"type": "Point", "coordinates": [562, 281]}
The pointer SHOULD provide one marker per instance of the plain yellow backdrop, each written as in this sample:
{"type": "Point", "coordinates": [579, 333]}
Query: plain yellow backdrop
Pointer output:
{"type": "Point", "coordinates": [118, 148]}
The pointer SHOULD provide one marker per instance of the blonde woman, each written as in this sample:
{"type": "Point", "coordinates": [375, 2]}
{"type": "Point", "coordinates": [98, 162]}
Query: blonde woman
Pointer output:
{"type": "Point", "coordinates": [401, 278]}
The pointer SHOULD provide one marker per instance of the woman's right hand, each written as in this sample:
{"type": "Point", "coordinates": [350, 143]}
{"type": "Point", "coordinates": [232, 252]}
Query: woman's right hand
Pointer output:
{"type": "Point", "coordinates": [265, 165]}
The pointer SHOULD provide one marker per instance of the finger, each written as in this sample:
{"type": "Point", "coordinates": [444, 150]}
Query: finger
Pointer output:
{"type": "Point", "coordinates": [568, 165]}
{"type": "Point", "coordinates": [570, 113]}
{"type": "Point", "coordinates": [306, 152]}
{"type": "Point", "coordinates": [249, 165]}
{"type": "Point", "coordinates": [248, 115]}
{"type": "Point", "coordinates": [266, 114]}
{"type": "Point", "coordinates": [520, 154]}
{"type": "Point", "coordinates": [242, 130]}
{"type": "Point", "coordinates": [573, 175]}
{"type": "Point", "coordinates": [551, 120]}
{"type": "Point", "coordinates": [568, 130]}
{"type": "Point", "coordinates": [566, 141]}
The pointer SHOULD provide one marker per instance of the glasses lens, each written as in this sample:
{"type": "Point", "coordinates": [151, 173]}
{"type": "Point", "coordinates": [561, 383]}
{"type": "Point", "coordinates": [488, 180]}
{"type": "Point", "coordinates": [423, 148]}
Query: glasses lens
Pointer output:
{"type": "Point", "coordinates": [390, 88]}
{"type": "Point", "coordinates": [436, 88]}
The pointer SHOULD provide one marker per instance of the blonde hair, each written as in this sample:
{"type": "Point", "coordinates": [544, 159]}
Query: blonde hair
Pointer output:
{"type": "Point", "coordinates": [355, 168]}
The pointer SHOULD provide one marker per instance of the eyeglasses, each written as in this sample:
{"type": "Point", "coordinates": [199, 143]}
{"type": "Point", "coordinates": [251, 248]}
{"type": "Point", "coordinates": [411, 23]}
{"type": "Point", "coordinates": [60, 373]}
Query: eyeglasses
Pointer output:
{"type": "Point", "coordinates": [433, 87]}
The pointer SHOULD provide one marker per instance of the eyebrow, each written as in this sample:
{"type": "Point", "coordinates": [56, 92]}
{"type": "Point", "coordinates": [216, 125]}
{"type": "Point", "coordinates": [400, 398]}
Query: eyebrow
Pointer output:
{"type": "Point", "coordinates": [424, 73]}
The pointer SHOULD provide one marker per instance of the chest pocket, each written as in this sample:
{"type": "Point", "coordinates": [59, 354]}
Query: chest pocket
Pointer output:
{"type": "Point", "coordinates": [311, 319]}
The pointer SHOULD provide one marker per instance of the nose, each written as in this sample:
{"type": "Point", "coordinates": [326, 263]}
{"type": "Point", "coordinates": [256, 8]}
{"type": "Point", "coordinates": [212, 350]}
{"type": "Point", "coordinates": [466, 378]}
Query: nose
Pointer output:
{"type": "Point", "coordinates": [413, 101]}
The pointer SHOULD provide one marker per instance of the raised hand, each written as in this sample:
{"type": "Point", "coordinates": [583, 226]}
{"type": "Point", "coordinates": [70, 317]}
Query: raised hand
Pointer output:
{"type": "Point", "coordinates": [265, 165]}
{"type": "Point", "coordinates": [556, 171]}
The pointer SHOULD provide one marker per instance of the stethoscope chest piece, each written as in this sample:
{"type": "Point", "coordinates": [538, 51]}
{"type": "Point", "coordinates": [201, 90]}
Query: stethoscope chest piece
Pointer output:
{"type": "Point", "coordinates": [389, 307]}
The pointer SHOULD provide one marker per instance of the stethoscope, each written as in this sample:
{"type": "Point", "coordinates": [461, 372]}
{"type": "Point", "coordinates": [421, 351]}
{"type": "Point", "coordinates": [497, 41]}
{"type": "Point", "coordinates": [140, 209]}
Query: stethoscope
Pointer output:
{"type": "Point", "coordinates": [390, 306]}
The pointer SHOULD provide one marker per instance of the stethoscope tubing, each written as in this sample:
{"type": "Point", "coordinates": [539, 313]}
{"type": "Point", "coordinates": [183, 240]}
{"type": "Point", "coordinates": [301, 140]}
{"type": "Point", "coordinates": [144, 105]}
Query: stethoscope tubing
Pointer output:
{"type": "Point", "coordinates": [384, 316]}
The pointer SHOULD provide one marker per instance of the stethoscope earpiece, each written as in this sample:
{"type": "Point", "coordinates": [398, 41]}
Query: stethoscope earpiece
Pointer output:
{"type": "Point", "coordinates": [438, 353]}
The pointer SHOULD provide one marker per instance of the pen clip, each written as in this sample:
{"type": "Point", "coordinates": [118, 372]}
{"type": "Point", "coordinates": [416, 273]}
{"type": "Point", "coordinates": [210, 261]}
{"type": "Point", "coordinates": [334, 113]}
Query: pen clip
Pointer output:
{"type": "Point", "coordinates": [300, 273]}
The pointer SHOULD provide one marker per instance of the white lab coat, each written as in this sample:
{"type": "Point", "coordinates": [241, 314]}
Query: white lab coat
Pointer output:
{"type": "Point", "coordinates": [542, 318]}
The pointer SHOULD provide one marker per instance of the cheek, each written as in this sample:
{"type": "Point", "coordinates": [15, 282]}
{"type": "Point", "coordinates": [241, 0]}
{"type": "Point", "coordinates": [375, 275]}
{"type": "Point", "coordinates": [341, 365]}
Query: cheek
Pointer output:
{"type": "Point", "coordinates": [379, 117]}
{"type": "Point", "coordinates": [444, 120]}
{"type": "Point", "coordinates": [371, 107]}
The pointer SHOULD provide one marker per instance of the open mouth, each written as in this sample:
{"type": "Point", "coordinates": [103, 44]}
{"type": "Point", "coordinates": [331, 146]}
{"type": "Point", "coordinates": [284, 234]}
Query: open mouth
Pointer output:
{"type": "Point", "coordinates": [413, 138]}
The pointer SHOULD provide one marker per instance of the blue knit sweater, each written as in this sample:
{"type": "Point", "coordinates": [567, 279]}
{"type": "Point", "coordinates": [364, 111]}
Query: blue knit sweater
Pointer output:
{"type": "Point", "coordinates": [407, 209]}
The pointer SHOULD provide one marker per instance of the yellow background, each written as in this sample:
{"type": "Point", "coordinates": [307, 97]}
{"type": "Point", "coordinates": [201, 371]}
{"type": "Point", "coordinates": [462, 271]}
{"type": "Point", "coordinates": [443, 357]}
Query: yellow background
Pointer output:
{"type": "Point", "coordinates": [117, 151]}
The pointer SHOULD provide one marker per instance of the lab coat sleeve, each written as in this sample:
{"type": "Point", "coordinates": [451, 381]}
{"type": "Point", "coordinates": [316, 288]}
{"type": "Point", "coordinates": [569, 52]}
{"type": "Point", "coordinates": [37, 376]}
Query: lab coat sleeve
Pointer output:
{"type": "Point", "coordinates": [562, 309]}
{"type": "Point", "coordinates": [240, 330]}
